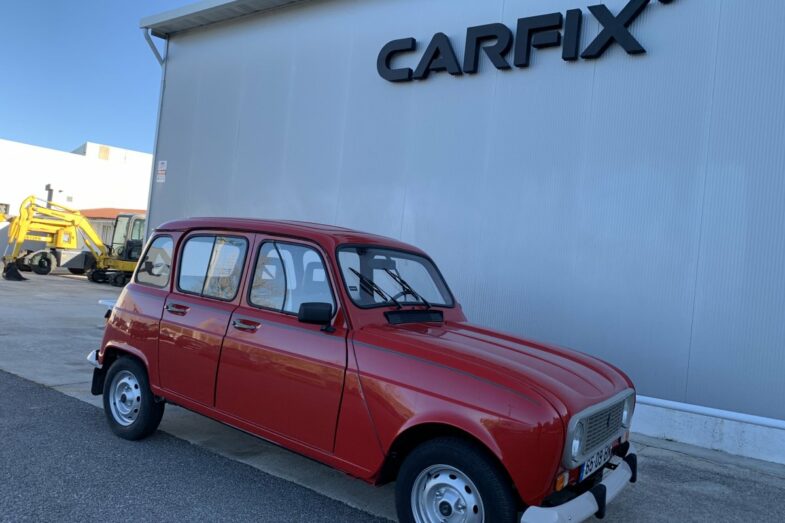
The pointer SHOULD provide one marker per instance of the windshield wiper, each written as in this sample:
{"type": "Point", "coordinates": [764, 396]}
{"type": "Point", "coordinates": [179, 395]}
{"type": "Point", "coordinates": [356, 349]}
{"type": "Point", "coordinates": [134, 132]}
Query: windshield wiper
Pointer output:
{"type": "Point", "coordinates": [371, 288]}
{"type": "Point", "coordinates": [407, 288]}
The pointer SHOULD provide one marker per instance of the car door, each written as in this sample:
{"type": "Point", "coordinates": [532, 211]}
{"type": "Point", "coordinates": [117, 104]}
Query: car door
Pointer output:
{"type": "Point", "coordinates": [276, 372]}
{"type": "Point", "coordinates": [137, 314]}
{"type": "Point", "coordinates": [198, 310]}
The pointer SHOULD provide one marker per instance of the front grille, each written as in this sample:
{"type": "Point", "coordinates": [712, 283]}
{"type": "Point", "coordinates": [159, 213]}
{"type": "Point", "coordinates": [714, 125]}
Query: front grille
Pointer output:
{"type": "Point", "coordinates": [602, 426]}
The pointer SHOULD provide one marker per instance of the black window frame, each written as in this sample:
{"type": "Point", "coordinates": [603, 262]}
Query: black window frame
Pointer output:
{"type": "Point", "coordinates": [141, 259]}
{"type": "Point", "coordinates": [215, 236]}
{"type": "Point", "coordinates": [345, 246]}
{"type": "Point", "coordinates": [252, 276]}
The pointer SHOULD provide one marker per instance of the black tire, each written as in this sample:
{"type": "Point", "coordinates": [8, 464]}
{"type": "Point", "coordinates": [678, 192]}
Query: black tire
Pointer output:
{"type": "Point", "coordinates": [97, 276]}
{"type": "Point", "coordinates": [498, 500]}
{"type": "Point", "coordinates": [78, 272]}
{"type": "Point", "coordinates": [118, 279]}
{"type": "Point", "coordinates": [148, 413]}
{"type": "Point", "coordinates": [41, 264]}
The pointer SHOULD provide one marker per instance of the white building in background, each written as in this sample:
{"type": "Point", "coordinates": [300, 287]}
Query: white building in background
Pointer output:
{"type": "Point", "coordinates": [92, 176]}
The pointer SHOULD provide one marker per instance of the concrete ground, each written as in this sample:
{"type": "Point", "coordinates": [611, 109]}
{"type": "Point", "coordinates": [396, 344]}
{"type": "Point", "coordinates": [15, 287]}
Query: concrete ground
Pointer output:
{"type": "Point", "coordinates": [48, 325]}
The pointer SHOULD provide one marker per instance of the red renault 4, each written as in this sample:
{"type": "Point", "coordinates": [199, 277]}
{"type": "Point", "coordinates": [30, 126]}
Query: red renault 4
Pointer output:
{"type": "Point", "coordinates": [350, 348]}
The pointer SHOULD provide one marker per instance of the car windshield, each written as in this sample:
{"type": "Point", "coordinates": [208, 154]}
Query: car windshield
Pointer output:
{"type": "Point", "coordinates": [377, 277]}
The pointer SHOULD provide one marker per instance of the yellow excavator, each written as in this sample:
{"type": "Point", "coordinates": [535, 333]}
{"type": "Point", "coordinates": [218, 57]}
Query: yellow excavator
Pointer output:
{"type": "Point", "coordinates": [60, 228]}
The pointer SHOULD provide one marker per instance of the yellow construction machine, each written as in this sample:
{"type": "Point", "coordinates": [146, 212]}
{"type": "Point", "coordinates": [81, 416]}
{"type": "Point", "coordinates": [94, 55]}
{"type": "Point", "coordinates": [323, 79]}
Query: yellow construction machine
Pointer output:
{"type": "Point", "coordinates": [60, 229]}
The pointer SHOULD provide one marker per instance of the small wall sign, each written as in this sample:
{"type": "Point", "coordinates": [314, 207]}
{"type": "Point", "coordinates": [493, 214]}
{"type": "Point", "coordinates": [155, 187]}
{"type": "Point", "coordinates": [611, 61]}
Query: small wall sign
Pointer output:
{"type": "Point", "coordinates": [160, 171]}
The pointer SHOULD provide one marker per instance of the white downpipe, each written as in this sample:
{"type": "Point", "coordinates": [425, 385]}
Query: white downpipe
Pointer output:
{"type": "Point", "coordinates": [716, 413]}
{"type": "Point", "coordinates": [149, 40]}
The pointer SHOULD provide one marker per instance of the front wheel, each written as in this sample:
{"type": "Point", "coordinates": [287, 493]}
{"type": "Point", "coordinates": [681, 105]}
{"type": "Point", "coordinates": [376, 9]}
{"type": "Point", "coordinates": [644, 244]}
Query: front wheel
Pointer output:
{"type": "Point", "coordinates": [452, 480]}
{"type": "Point", "coordinates": [131, 409]}
{"type": "Point", "coordinates": [41, 263]}
{"type": "Point", "coordinates": [97, 276]}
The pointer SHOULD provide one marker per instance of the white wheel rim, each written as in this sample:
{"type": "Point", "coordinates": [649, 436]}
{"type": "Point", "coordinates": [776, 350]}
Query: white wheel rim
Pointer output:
{"type": "Point", "coordinates": [444, 494]}
{"type": "Point", "coordinates": [125, 398]}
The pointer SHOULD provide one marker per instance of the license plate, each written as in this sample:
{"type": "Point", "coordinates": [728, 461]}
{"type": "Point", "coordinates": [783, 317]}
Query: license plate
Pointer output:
{"type": "Point", "coordinates": [595, 462]}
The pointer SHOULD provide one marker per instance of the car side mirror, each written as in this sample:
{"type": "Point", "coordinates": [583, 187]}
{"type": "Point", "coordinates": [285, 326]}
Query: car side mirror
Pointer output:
{"type": "Point", "coordinates": [148, 267]}
{"type": "Point", "coordinates": [317, 314]}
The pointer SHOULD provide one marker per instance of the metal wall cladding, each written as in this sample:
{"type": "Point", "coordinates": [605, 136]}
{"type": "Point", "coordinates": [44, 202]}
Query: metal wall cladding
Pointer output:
{"type": "Point", "coordinates": [629, 207]}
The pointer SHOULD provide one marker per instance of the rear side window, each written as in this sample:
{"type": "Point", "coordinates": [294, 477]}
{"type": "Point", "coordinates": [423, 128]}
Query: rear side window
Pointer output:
{"type": "Point", "coordinates": [156, 264]}
{"type": "Point", "coordinates": [288, 275]}
{"type": "Point", "coordinates": [212, 266]}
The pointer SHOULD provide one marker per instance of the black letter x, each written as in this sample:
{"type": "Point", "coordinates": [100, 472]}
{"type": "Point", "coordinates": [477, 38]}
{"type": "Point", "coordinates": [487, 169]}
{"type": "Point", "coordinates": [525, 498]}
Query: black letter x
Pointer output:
{"type": "Point", "coordinates": [614, 28]}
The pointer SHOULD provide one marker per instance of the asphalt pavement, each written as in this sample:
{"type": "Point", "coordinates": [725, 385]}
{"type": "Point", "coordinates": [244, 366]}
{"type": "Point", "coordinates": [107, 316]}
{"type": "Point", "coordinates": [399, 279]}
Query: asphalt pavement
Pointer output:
{"type": "Point", "coordinates": [59, 462]}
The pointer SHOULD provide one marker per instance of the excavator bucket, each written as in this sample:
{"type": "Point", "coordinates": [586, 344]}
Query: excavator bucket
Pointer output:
{"type": "Point", "coordinates": [11, 273]}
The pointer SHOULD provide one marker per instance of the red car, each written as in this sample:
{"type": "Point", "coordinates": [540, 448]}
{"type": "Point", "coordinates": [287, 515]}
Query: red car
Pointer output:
{"type": "Point", "coordinates": [350, 348]}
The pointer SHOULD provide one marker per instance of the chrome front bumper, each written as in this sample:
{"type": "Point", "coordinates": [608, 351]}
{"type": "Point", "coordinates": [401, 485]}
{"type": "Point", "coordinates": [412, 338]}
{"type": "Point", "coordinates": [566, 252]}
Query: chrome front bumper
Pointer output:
{"type": "Point", "coordinates": [591, 503]}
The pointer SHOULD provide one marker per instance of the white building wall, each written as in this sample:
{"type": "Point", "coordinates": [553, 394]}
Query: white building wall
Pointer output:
{"type": "Point", "coordinates": [80, 181]}
{"type": "Point", "coordinates": [629, 207]}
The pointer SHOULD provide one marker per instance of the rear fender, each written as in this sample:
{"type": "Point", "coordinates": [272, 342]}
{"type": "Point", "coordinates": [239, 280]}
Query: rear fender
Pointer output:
{"type": "Point", "coordinates": [107, 355]}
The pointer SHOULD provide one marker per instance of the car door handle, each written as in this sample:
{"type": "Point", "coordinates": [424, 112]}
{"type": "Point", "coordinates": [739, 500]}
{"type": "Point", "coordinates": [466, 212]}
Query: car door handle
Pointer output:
{"type": "Point", "coordinates": [176, 308]}
{"type": "Point", "coordinates": [246, 325]}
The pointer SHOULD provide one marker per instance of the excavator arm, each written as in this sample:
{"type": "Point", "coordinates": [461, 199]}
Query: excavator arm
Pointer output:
{"type": "Point", "coordinates": [52, 218]}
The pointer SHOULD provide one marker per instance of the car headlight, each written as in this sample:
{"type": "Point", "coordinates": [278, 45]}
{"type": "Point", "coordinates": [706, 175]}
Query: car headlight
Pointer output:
{"type": "Point", "coordinates": [577, 440]}
{"type": "Point", "coordinates": [626, 415]}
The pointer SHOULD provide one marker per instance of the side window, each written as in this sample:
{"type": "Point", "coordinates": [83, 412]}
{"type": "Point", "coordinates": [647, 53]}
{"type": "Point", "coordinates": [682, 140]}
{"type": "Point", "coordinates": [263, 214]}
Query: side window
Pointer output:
{"type": "Point", "coordinates": [156, 264]}
{"type": "Point", "coordinates": [226, 268]}
{"type": "Point", "coordinates": [193, 264]}
{"type": "Point", "coordinates": [269, 280]}
{"type": "Point", "coordinates": [288, 275]}
{"type": "Point", "coordinates": [212, 266]}
{"type": "Point", "coordinates": [137, 229]}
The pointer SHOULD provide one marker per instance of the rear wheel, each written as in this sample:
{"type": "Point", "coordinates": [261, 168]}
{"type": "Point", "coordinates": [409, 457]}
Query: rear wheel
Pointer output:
{"type": "Point", "coordinates": [452, 480]}
{"type": "Point", "coordinates": [129, 404]}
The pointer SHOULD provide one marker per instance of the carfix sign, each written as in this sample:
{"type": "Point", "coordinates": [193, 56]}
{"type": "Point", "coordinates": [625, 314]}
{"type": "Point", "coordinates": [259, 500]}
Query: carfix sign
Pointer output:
{"type": "Point", "coordinates": [498, 42]}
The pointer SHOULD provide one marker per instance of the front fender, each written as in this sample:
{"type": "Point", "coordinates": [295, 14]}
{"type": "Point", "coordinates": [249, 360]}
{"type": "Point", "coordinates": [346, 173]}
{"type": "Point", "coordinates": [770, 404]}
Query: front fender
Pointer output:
{"type": "Point", "coordinates": [472, 425]}
{"type": "Point", "coordinates": [520, 428]}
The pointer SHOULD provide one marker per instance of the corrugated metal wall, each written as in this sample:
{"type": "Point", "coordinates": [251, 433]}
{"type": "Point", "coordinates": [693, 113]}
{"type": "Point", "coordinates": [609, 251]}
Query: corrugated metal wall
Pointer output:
{"type": "Point", "coordinates": [629, 207]}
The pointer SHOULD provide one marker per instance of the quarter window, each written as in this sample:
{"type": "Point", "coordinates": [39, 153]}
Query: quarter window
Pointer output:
{"type": "Point", "coordinates": [156, 264]}
{"type": "Point", "coordinates": [288, 275]}
{"type": "Point", "coordinates": [212, 266]}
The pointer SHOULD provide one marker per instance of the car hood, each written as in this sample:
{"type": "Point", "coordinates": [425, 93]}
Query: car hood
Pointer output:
{"type": "Point", "coordinates": [570, 381]}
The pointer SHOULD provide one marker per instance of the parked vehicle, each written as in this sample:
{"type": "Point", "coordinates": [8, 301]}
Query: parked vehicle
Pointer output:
{"type": "Point", "coordinates": [350, 348]}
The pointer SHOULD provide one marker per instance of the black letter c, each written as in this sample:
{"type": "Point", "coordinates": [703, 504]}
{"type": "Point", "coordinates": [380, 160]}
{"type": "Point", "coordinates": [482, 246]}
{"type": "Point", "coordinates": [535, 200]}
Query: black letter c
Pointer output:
{"type": "Point", "coordinates": [386, 55]}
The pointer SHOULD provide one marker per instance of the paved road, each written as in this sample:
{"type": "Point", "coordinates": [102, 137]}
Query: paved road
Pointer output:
{"type": "Point", "coordinates": [60, 462]}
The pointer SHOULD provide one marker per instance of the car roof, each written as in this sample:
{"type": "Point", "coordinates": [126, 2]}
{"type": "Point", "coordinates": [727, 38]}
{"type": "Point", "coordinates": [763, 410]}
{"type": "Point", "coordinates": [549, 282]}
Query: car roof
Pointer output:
{"type": "Point", "coordinates": [329, 236]}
